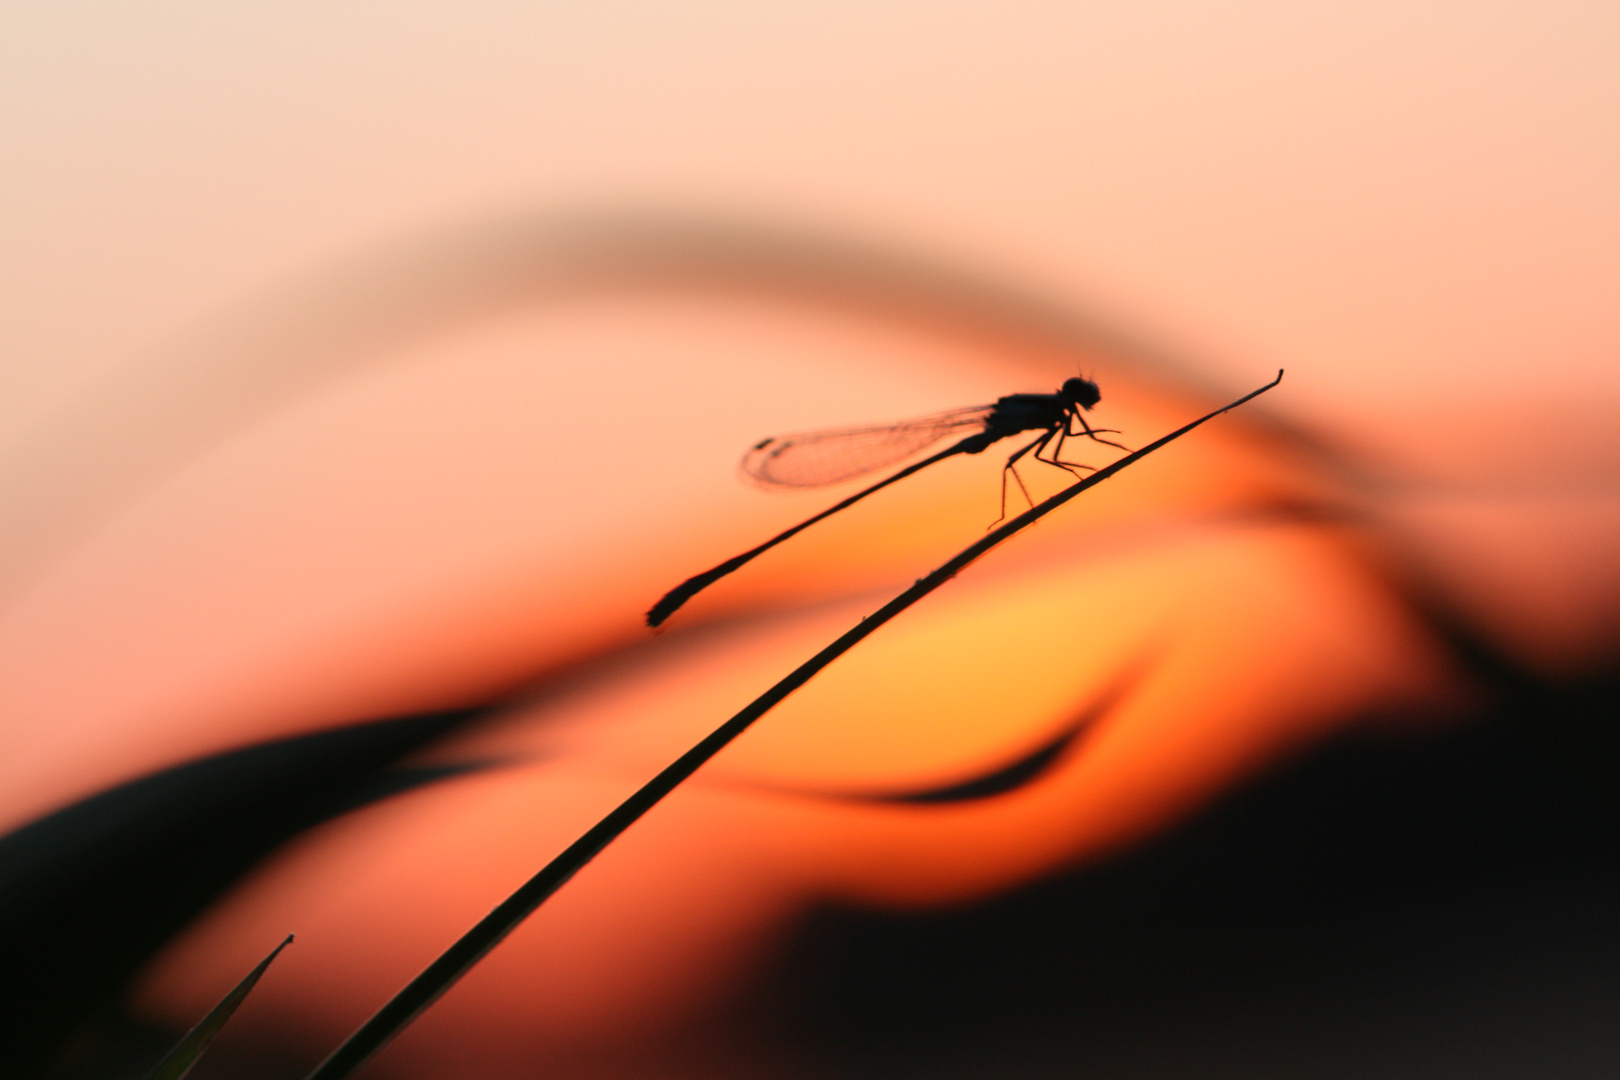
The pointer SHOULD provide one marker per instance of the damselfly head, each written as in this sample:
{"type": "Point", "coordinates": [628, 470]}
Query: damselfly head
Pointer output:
{"type": "Point", "coordinates": [1081, 392]}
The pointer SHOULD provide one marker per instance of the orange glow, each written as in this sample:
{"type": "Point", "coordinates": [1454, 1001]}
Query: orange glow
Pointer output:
{"type": "Point", "coordinates": [1231, 635]}
{"type": "Point", "coordinates": [329, 404]}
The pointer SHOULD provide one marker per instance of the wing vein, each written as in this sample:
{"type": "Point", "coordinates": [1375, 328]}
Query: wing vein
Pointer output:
{"type": "Point", "coordinates": [817, 458]}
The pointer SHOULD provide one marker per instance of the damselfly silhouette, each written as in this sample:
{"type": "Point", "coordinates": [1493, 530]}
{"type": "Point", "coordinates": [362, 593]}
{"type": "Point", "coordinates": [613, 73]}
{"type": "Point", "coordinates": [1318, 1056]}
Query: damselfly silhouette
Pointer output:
{"type": "Point", "coordinates": [818, 458]}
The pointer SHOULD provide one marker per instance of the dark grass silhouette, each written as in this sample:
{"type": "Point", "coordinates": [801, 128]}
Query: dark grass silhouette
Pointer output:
{"type": "Point", "coordinates": [90, 892]}
{"type": "Point", "coordinates": [185, 1054]}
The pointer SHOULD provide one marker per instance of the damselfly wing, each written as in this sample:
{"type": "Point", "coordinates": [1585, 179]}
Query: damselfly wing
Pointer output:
{"type": "Point", "coordinates": [818, 458]}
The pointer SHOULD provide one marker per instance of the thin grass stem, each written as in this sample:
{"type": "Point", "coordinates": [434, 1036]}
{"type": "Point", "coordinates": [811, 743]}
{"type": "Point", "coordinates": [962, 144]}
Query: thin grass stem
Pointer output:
{"type": "Point", "coordinates": [179, 1061]}
{"type": "Point", "coordinates": [459, 958]}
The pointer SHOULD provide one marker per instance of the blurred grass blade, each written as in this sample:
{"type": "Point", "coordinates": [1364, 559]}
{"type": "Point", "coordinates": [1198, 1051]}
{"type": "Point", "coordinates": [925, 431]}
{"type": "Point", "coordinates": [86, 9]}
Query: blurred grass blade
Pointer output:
{"type": "Point", "coordinates": [492, 929]}
{"type": "Point", "coordinates": [179, 1061]}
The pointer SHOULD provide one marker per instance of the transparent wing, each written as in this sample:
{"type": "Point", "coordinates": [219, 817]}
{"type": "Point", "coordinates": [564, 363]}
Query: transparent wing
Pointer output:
{"type": "Point", "coordinates": [816, 458]}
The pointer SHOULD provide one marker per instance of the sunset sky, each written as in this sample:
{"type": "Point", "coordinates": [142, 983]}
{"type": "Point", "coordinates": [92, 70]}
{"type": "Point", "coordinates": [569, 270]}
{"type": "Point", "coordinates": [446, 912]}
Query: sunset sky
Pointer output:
{"type": "Point", "coordinates": [364, 359]}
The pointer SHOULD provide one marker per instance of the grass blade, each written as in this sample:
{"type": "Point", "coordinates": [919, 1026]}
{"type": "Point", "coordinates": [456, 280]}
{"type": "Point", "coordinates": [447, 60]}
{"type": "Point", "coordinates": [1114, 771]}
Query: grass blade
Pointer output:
{"type": "Point", "coordinates": [179, 1061]}
{"type": "Point", "coordinates": [493, 928]}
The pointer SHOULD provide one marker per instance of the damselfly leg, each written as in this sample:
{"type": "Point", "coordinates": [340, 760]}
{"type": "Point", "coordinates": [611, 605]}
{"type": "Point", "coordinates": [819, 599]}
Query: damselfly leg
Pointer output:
{"type": "Point", "coordinates": [1012, 468]}
{"type": "Point", "coordinates": [1062, 434]}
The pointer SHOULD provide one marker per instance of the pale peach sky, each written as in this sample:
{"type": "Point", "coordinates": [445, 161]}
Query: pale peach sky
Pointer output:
{"type": "Point", "coordinates": [1391, 199]}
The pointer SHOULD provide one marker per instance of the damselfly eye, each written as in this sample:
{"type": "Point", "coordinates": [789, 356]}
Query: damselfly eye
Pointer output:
{"type": "Point", "coordinates": [1083, 392]}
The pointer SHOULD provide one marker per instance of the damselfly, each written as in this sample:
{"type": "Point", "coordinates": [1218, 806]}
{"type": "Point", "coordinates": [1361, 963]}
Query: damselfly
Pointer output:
{"type": "Point", "coordinates": [818, 458]}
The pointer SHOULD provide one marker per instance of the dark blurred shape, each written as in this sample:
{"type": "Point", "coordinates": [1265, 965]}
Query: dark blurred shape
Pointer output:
{"type": "Point", "coordinates": [90, 892]}
{"type": "Point", "coordinates": [1400, 905]}
{"type": "Point", "coordinates": [1388, 906]}
{"type": "Point", "coordinates": [1035, 764]}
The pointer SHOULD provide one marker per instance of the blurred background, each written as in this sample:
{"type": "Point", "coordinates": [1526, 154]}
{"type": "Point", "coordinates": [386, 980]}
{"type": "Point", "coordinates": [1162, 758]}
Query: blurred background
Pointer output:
{"type": "Point", "coordinates": [369, 369]}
